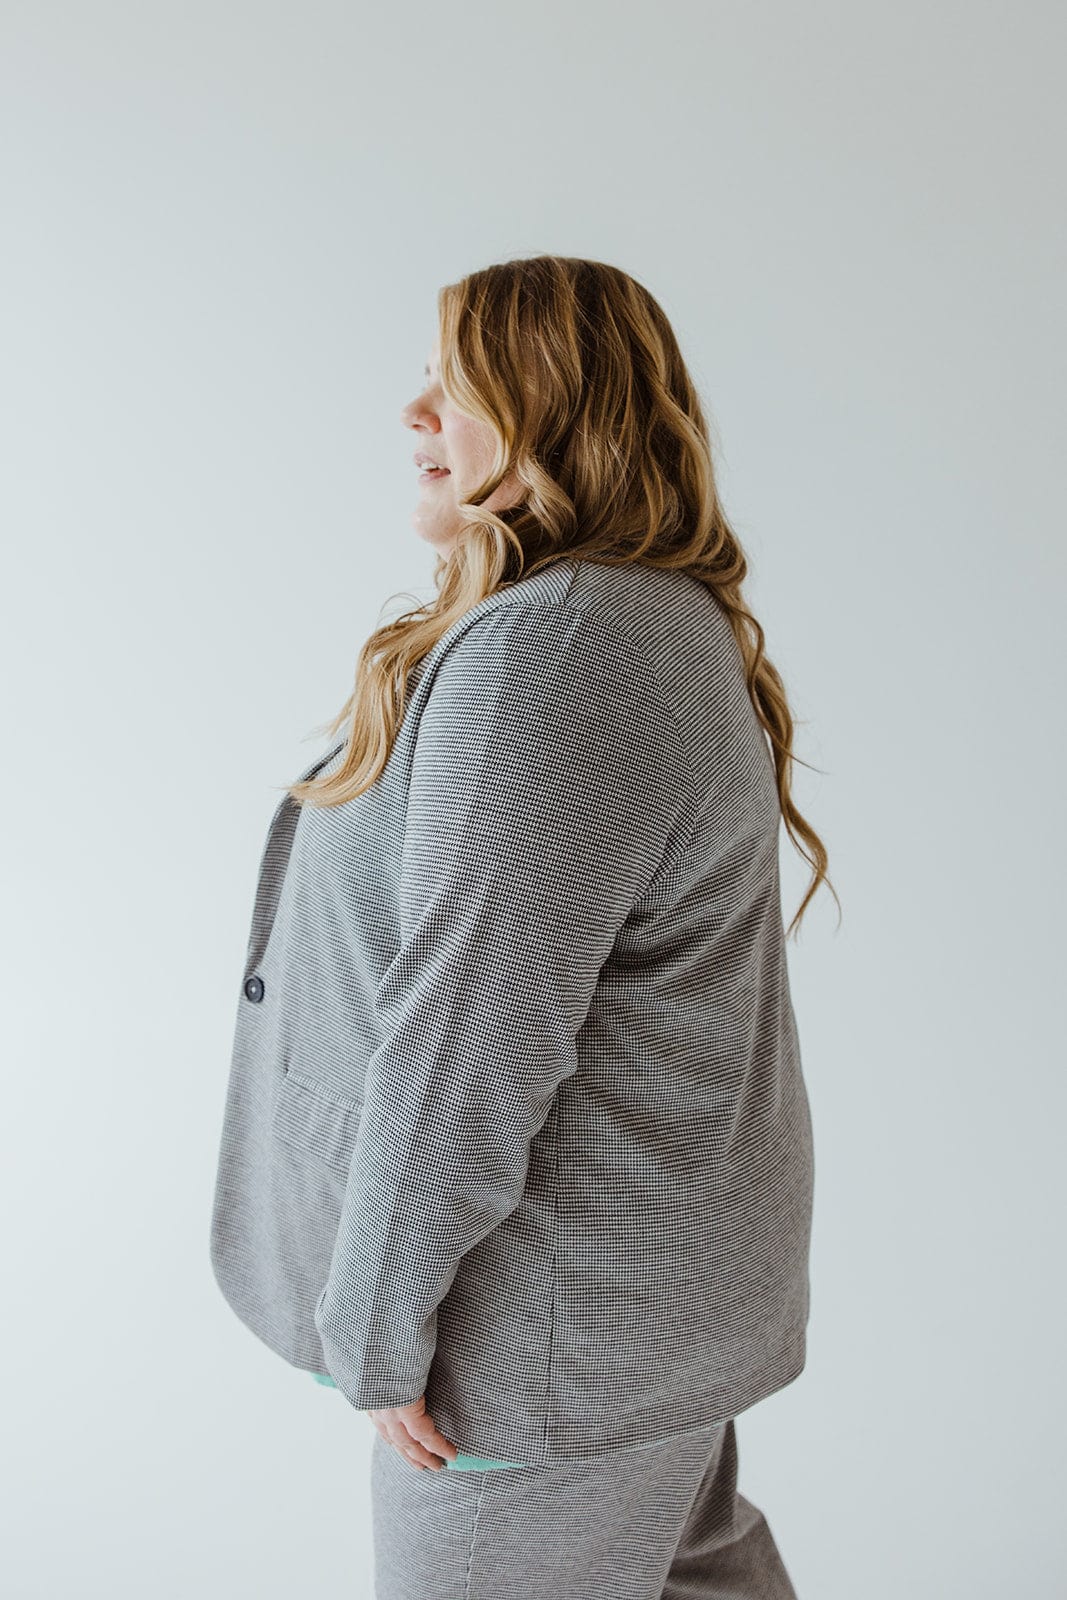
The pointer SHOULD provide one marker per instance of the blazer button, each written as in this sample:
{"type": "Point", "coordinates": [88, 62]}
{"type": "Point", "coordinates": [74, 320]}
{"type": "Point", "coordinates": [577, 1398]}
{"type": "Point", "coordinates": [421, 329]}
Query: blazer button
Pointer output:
{"type": "Point", "coordinates": [254, 988]}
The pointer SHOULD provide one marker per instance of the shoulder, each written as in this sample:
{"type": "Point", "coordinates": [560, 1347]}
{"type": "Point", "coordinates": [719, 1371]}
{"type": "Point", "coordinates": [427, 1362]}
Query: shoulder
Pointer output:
{"type": "Point", "coordinates": [536, 644]}
{"type": "Point", "coordinates": [530, 685]}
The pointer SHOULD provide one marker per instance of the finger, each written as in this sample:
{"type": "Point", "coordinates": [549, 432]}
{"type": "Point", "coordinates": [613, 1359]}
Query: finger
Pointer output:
{"type": "Point", "coordinates": [394, 1434]}
{"type": "Point", "coordinates": [425, 1431]}
{"type": "Point", "coordinates": [410, 1448]}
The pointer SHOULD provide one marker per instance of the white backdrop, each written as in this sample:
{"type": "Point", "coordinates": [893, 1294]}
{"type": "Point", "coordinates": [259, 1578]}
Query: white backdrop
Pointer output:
{"type": "Point", "coordinates": [226, 224]}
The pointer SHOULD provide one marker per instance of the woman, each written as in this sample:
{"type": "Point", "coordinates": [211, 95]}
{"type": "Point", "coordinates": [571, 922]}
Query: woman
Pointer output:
{"type": "Point", "coordinates": [517, 1149]}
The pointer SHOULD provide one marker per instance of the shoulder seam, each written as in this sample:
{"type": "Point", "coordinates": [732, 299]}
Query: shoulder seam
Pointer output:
{"type": "Point", "coordinates": [605, 626]}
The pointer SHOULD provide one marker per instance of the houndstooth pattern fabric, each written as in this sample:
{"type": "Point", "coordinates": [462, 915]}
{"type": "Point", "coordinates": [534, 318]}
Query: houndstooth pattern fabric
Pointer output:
{"type": "Point", "coordinates": [516, 1115]}
{"type": "Point", "coordinates": [665, 1523]}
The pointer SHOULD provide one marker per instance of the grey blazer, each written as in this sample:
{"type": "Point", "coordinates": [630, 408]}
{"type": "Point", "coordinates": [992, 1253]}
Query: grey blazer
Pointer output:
{"type": "Point", "coordinates": [515, 1114]}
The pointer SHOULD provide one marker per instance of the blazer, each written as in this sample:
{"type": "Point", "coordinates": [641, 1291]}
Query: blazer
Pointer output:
{"type": "Point", "coordinates": [515, 1114]}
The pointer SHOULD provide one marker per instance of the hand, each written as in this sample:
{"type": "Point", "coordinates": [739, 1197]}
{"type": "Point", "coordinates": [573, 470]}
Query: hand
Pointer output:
{"type": "Point", "coordinates": [411, 1430]}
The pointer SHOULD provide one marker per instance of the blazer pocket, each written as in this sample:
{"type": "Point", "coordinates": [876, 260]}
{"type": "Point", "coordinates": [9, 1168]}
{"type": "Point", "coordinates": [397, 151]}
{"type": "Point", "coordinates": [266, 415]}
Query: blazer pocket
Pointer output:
{"type": "Point", "coordinates": [315, 1121]}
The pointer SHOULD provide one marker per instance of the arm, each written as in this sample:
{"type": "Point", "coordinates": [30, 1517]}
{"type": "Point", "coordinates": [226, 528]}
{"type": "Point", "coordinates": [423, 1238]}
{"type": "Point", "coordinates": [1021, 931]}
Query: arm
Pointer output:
{"type": "Point", "coordinates": [548, 782]}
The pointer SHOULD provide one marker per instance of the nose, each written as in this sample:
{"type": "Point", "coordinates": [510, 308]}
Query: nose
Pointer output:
{"type": "Point", "coordinates": [415, 416]}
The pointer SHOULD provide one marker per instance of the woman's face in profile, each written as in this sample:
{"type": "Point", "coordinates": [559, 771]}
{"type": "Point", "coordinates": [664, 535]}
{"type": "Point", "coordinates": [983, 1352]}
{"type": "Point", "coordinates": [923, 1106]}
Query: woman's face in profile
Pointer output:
{"type": "Point", "coordinates": [459, 444]}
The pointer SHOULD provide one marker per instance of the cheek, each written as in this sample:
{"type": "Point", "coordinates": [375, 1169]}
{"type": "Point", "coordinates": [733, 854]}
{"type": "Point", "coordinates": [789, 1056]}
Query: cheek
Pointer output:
{"type": "Point", "coordinates": [470, 443]}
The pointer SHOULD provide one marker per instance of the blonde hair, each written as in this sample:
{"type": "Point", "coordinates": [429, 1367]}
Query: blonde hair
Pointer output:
{"type": "Point", "coordinates": [576, 369]}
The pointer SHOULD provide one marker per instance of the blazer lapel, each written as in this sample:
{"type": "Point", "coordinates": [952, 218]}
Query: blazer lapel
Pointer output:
{"type": "Point", "coordinates": [273, 864]}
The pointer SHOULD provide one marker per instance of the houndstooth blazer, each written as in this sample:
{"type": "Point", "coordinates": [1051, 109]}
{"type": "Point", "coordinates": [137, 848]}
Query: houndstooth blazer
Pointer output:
{"type": "Point", "coordinates": [515, 1114]}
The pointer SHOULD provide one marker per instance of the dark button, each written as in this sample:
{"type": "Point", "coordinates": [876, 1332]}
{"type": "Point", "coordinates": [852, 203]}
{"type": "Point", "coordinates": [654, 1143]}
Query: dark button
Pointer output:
{"type": "Point", "coordinates": [254, 988]}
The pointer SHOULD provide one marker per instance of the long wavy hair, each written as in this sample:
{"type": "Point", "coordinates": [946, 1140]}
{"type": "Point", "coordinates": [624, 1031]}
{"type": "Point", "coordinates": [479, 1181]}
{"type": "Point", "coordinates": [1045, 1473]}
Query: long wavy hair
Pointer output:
{"type": "Point", "coordinates": [578, 373]}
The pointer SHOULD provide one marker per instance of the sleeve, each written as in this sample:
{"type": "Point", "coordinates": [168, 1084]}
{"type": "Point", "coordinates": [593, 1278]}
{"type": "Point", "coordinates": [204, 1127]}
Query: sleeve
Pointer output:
{"type": "Point", "coordinates": [548, 783]}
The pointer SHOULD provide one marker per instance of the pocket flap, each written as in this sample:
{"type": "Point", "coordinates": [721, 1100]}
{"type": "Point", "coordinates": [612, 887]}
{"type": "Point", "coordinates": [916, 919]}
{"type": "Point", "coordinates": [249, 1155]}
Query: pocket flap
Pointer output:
{"type": "Point", "coordinates": [316, 1121]}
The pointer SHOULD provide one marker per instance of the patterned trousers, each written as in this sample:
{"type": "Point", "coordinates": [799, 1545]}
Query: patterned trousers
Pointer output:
{"type": "Point", "coordinates": [663, 1522]}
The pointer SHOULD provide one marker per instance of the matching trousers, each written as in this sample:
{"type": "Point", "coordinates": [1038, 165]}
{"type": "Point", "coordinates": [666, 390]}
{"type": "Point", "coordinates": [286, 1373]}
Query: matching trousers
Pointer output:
{"type": "Point", "coordinates": [664, 1522]}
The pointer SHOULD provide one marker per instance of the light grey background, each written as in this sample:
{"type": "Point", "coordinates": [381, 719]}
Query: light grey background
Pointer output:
{"type": "Point", "coordinates": [226, 225]}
